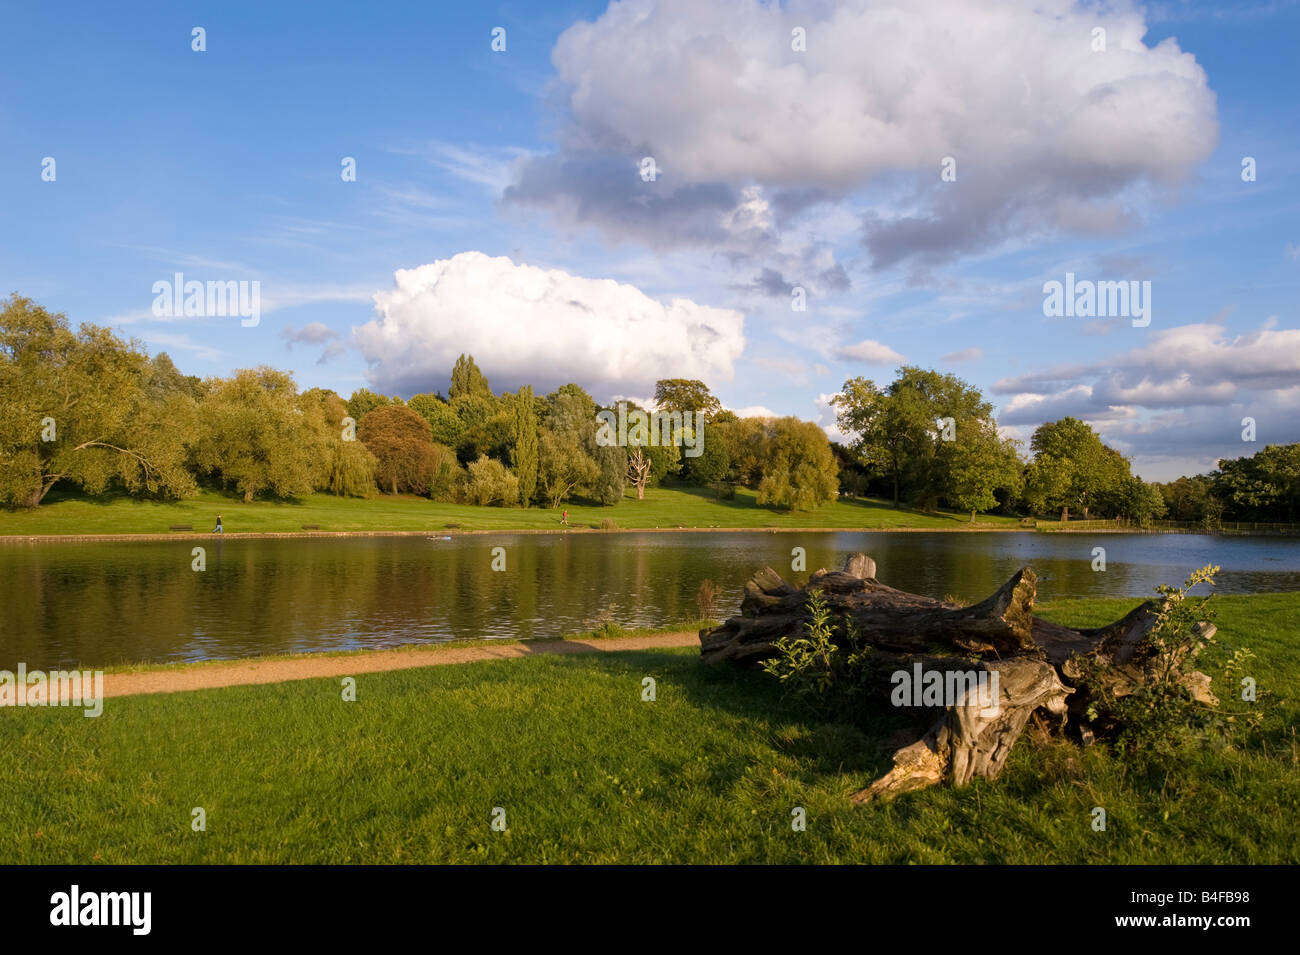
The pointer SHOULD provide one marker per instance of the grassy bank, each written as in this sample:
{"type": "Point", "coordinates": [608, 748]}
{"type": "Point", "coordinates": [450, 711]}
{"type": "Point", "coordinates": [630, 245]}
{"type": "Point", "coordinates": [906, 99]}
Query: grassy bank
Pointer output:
{"type": "Point", "coordinates": [662, 507]}
{"type": "Point", "coordinates": [588, 772]}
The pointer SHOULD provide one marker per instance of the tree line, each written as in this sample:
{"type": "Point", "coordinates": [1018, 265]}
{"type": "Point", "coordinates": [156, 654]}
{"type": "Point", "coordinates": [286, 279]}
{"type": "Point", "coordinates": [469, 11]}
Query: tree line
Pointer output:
{"type": "Point", "coordinates": [86, 409]}
{"type": "Point", "coordinates": [929, 439]}
{"type": "Point", "coordinates": [89, 410]}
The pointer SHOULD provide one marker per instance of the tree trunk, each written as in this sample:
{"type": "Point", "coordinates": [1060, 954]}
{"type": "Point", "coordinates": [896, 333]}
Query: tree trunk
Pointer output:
{"type": "Point", "coordinates": [1021, 664]}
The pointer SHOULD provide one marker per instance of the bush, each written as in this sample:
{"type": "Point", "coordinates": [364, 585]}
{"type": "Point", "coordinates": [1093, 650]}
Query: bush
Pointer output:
{"type": "Point", "coordinates": [814, 670]}
{"type": "Point", "coordinates": [1162, 715]}
{"type": "Point", "coordinates": [490, 482]}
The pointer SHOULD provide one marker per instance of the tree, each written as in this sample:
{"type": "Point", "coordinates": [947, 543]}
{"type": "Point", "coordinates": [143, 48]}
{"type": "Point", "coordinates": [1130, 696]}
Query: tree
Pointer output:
{"type": "Point", "coordinates": [980, 464]}
{"type": "Point", "coordinates": [1187, 498]}
{"type": "Point", "coordinates": [524, 445]}
{"type": "Point", "coordinates": [446, 425]}
{"type": "Point", "coordinates": [708, 468]}
{"type": "Point", "coordinates": [491, 483]}
{"type": "Point", "coordinates": [252, 435]}
{"type": "Point", "coordinates": [800, 472]}
{"type": "Point", "coordinates": [482, 424]}
{"type": "Point", "coordinates": [896, 430]}
{"type": "Point", "coordinates": [1140, 502]}
{"type": "Point", "coordinates": [685, 394]}
{"type": "Point", "coordinates": [445, 474]}
{"type": "Point", "coordinates": [638, 469]}
{"type": "Point", "coordinates": [611, 474]}
{"type": "Point", "coordinates": [163, 380]}
{"type": "Point", "coordinates": [345, 466]}
{"type": "Point", "coordinates": [402, 444]}
{"type": "Point", "coordinates": [564, 464]}
{"type": "Point", "coordinates": [744, 441]}
{"type": "Point", "coordinates": [647, 464]}
{"type": "Point", "coordinates": [467, 380]}
{"type": "Point", "coordinates": [86, 408]}
{"type": "Point", "coordinates": [1263, 487]}
{"type": "Point", "coordinates": [1071, 468]}
{"type": "Point", "coordinates": [364, 401]}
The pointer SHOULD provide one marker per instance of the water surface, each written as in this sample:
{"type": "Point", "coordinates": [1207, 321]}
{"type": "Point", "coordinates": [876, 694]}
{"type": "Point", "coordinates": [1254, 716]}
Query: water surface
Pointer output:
{"type": "Point", "coordinates": [105, 603]}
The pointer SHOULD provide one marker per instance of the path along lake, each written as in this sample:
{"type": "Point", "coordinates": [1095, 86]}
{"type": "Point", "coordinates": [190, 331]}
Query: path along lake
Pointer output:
{"type": "Point", "coordinates": [98, 604]}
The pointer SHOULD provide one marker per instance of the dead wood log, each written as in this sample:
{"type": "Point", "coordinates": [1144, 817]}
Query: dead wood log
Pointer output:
{"type": "Point", "coordinates": [1019, 664]}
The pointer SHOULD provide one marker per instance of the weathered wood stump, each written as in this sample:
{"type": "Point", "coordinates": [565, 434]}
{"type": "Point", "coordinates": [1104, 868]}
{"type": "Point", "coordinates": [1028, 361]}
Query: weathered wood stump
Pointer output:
{"type": "Point", "coordinates": [1020, 665]}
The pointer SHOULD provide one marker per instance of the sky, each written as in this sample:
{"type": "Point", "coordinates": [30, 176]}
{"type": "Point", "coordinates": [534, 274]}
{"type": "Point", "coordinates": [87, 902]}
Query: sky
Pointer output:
{"type": "Point", "coordinates": [772, 198]}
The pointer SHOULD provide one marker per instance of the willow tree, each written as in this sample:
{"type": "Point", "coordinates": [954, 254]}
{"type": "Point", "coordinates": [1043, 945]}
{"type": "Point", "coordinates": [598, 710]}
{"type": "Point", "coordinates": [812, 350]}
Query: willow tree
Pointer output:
{"type": "Point", "coordinates": [253, 435]}
{"type": "Point", "coordinates": [81, 407]}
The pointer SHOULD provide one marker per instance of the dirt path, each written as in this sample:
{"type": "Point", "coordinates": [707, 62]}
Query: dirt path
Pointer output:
{"type": "Point", "coordinates": [310, 666]}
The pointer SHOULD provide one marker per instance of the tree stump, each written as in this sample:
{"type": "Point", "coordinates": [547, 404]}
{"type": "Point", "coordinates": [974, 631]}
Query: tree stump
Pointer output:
{"type": "Point", "coordinates": [1021, 665]}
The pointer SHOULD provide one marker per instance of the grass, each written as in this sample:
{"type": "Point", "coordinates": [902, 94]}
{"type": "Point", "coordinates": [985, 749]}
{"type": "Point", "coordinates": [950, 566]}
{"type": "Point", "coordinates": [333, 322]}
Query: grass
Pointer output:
{"type": "Point", "coordinates": [588, 772]}
{"type": "Point", "coordinates": [662, 507]}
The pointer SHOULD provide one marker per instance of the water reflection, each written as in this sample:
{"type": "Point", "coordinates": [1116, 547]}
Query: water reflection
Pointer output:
{"type": "Point", "coordinates": [107, 603]}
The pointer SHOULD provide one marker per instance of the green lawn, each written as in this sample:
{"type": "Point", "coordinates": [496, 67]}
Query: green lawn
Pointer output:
{"type": "Point", "coordinates": [588, 772]}
{"type": "Point", "coordinates": [662, 507]}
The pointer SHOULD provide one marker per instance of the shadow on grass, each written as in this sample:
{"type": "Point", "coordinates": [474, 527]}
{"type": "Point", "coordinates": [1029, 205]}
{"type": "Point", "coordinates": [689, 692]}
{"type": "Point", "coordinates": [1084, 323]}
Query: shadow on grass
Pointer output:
{"type": "Point", "coordinates": [870, 506]}
{"type": "Point", "coordinates": [863, 748]}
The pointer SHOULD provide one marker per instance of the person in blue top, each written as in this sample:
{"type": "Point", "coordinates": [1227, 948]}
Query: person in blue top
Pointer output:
{"type": "Point", "coordinates": [217, 529]}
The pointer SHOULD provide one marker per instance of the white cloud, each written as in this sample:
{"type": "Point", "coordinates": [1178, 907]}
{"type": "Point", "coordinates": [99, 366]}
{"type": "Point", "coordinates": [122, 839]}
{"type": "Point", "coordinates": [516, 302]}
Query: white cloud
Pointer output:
{"type": "Point", "coordinates": [755, 411]}
{"type": "Point", "coordinates": [1186, 365]}
{"type": "Point", "coordinates": [966, 354]}
{"type": "Point", "coordinates": [870, 352]}
{"type": "Point", "coordinates": [527, 325]}
{"type": "Point", "coordinates": [747, 132]}
{"type": "Point", "coordinates": [1176, 403]}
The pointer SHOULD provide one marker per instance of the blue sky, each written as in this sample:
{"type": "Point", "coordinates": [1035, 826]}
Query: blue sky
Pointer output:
{"type": "Point", "coordinates": [817, 168]}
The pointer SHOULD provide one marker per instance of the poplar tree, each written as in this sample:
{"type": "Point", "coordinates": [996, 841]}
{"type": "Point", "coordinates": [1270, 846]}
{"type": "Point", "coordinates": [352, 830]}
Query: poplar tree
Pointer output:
{"type": "Point", "coordinates": [524, 448]}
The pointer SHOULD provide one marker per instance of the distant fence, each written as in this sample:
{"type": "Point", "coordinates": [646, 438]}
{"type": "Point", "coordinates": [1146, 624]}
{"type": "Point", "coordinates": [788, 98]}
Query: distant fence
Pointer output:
{"type": "Point", "coordinates": [1167, 527]}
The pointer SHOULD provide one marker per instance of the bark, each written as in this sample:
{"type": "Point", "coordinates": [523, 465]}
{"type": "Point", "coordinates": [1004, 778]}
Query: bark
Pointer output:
{"type": "Point", "coordinates": [1029, 666]}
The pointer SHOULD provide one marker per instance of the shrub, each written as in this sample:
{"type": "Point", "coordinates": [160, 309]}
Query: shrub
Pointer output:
{"type": "Point", "coordinates": [490, 482]}
{"type": "Point", "coordinates": [813, 669]}
{"type": "Point", "coordinates": [1162, 714]}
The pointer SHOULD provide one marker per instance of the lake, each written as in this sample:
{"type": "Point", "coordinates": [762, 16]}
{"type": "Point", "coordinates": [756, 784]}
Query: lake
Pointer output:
{"type": "Point", "coordinates": [96, 604]}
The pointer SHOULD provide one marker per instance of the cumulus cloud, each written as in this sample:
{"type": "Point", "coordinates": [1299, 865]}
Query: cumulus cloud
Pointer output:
{"type": "Point", "coordinates": [870, 352]}
{"type": "Point", "coordinates": [966, 354]}
{"type": "Point", "coordinates": [527, 325]}
{"type": "Point", "coordinates": [756, 411]}
{"type": "Point", "coordinates": [748, 133]}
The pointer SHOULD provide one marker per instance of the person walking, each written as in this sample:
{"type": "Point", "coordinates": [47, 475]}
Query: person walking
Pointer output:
{"type": "Point", "coordinates": [565, 519]}
{"type": "Point", "coordinates": [217, 529]}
